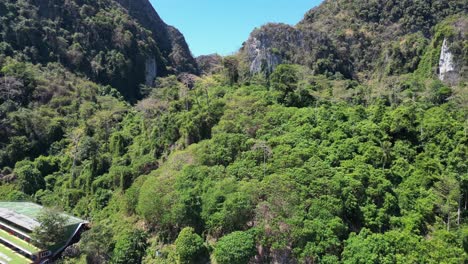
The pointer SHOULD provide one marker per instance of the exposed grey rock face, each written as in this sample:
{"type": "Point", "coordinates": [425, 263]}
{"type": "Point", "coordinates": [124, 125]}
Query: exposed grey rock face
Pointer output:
{"type": "Point", "coordinates": [446, 63]}
{"type": "Point", "coordinates": [345, 38]}
{"type": "Point", "coordinates": [151, 71]}
{"type": "Point", "coordinates": [270, 46]}
{"type": "Point", "coordinates": [452, 64]}
{"type": "Point", "coordinates": [261, 57]}
{"type": "Point", "coordinates": [275, 44]}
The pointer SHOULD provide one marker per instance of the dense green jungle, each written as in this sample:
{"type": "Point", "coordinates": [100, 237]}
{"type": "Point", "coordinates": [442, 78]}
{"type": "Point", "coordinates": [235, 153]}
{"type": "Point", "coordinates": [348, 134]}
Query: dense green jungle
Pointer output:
{"type": "Point", "coordinates": [343, 139]}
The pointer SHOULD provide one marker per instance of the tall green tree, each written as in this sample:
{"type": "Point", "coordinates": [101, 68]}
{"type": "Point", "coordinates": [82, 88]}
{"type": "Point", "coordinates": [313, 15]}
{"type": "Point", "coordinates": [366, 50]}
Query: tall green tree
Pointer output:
{"type": "Point", "coordinates": [235, 248]}
{"type": "Point", "coordinates": [189, 247]}
{"type": "Point", "coordinates": [52, 228]}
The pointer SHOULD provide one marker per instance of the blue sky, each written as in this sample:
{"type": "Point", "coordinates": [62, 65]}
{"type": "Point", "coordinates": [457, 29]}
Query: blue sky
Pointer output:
{"type": "Point", "coordinates": [220, 26]}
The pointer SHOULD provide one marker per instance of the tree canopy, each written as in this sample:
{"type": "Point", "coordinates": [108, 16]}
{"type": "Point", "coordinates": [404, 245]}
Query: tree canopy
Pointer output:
{"type": "Point", "coordinates": [306, 162]}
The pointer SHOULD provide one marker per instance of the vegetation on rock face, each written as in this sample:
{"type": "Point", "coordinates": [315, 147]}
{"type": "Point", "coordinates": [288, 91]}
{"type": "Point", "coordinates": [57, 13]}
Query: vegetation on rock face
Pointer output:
{"type": "Point", "coordinates": [298, 165]}
{"type": "Point", "coordinates": [210, 64]}
{"type": "Point", "coordinates": [355, 39]}
{"type": "Point", "coordinates": [95, 38]}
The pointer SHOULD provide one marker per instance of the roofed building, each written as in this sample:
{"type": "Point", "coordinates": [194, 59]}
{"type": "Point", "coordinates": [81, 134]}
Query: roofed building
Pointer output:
{"type": "Point", "coordinates": [17, 222]}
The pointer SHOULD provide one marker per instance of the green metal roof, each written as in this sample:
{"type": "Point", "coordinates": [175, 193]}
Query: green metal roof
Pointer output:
{"type": "Point", "coordinates": [32, 210]}
{"type": "Point", "coordinates": [23, 221]}
{"type": "Point", "coordinates": [24, 214]}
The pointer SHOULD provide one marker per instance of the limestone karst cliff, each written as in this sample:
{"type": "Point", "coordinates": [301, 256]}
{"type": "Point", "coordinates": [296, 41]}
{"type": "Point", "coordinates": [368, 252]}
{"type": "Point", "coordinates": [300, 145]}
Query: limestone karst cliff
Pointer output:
{"type": "Point", "coordinates": [171, 42]}
{"type": "Point", "coordinates": [119, 43]}
{"type": "Point", "coordinates": [355, 39]}
{"type": "Point", "coordinates": [453, 60]}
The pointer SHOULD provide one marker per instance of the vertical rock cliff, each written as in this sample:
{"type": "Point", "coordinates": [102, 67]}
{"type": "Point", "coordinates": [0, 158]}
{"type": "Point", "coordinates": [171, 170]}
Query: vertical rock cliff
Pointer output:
{"type": "Point", "coordinates": [352, 38]}
{"type": "Point", "coordinates": [453, 60]}
{"type": "Point", "coordinates": [446, 63]}
{"type": "Point", "coordinates": [121, 43]}
{"type": "Point", "coordinates": [171, 42]}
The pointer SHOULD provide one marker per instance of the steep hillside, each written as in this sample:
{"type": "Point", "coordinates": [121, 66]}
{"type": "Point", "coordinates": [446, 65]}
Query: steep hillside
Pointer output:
{"type": "Point", "coordinates": [343, 139]}
{"type": "Point", "coordinates": [122, 46]}
{"type": "Point", "coordinates": [357, 39]}
{"type": "Point", "coordinates": [170, 41]}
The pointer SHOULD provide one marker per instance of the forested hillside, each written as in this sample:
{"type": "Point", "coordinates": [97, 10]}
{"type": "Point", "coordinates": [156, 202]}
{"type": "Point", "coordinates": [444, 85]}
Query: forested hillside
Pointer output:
{"type": "Point", "coordinates": [98, 39]}
{"type": "Point", "coordinates": [358, 39]}
{"type": "Point", "coordinates": [332, 159]}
